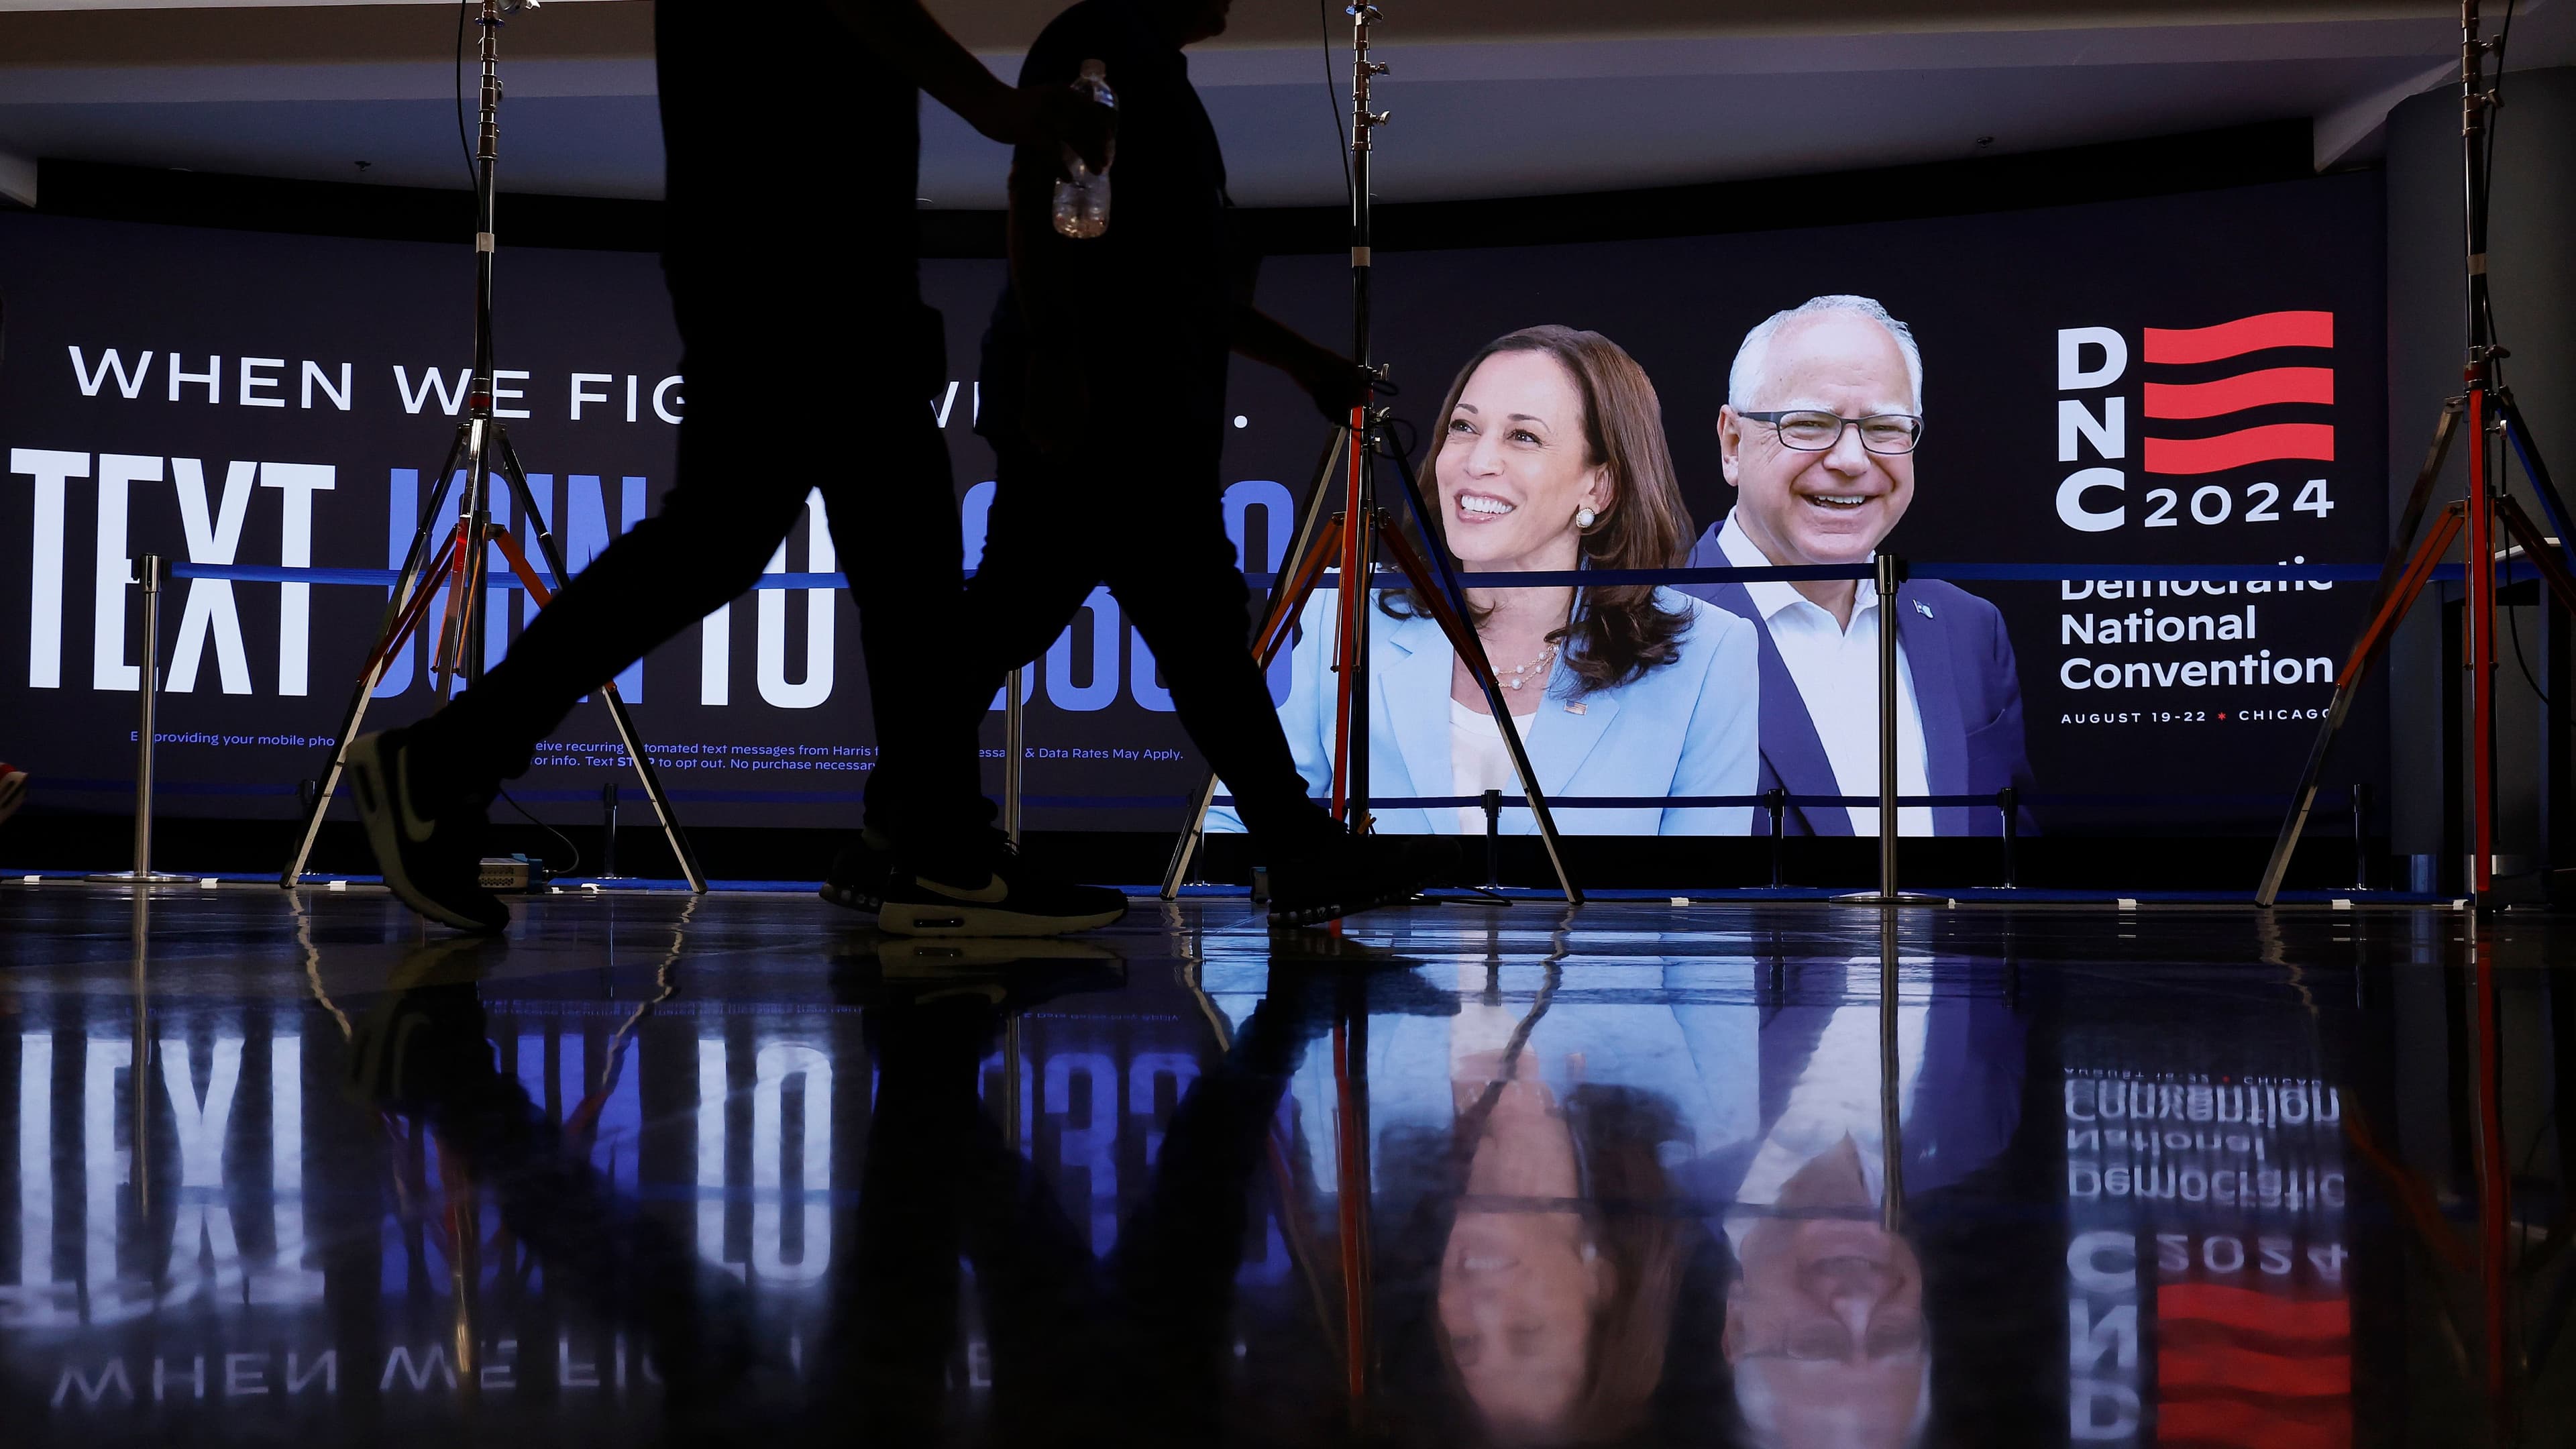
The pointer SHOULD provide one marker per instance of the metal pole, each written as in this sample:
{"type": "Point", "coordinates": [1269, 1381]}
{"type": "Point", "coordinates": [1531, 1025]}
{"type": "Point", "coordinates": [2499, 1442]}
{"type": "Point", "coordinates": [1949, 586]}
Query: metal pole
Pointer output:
{"type": "Point", "coordinates": [1891, 1115]}
{"type": "Point", "coordinates": [1493, 840]}
{"type": "Point", "coordinates": [1888, 573]}
{"type": "Point", "coordinates": [2361, 837]}
{"type": "Point", "coordinates": [2008, 799]}
{"type": "Point", "coordinates": [1776, 800]}
{"type": "Point", "coordinates": [148, 688]}
{"type": "Point", "coordinates": [608, 831]}
{"type": "Point", "coordinates": [2480, 378]}
{"type": "Point", "coordinates": [1360, 530]}
{"type": "Point", "coordinates": [1014, 752]}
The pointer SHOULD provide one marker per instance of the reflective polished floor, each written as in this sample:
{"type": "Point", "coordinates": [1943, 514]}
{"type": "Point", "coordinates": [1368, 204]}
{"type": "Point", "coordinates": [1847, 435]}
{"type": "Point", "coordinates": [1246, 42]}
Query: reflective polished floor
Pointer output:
{"type": "Point", "coordinates": [292, 1169]}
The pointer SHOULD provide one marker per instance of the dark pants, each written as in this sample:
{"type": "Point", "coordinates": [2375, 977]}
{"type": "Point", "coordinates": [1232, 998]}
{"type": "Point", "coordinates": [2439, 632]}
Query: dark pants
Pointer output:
{"type": "Point", "coordinates": [1153, 529]}
{"type": "Point", "coordinates": [1130, 1349]}
{"type": "Point", "coordinates": [810, 362]}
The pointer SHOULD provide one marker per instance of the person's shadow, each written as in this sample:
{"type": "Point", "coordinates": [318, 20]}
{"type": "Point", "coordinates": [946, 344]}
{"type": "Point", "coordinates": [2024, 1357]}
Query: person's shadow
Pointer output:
{"type": "Point", "coordinates": [1131, 1347]}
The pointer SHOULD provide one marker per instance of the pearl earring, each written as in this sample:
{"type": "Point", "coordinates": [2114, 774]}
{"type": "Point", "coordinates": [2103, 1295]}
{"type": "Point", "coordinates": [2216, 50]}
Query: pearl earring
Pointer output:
{"type": "Point", "coordinates": [1583, 517]}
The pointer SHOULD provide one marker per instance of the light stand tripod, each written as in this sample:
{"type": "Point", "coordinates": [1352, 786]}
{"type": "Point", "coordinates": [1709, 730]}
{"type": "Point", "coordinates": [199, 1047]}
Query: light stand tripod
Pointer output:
{"type": "Point", "coordinates": [2490, 412]}
{"type": "Point", "coordinates": [461, 561]}
{"type": "Point", "coordinates": [1349, 538]}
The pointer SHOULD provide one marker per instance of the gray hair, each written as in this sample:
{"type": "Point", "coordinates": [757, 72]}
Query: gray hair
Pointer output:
{"type": "Point", "coordinates": [1751, 359]}
{"type": "Point", "coordinates": [1758, 1402]}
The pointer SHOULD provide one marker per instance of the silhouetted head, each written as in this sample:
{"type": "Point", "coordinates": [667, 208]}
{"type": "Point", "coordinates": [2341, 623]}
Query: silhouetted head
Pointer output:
{"type": "Point", "coordinates": [1187, 22]}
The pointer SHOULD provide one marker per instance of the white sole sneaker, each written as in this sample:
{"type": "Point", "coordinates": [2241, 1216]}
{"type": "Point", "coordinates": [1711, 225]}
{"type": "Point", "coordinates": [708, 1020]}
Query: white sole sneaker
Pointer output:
{"type": "Point", "coordinates": [959, 918]}
{"type": "Point", "coordinates": [380, 810]}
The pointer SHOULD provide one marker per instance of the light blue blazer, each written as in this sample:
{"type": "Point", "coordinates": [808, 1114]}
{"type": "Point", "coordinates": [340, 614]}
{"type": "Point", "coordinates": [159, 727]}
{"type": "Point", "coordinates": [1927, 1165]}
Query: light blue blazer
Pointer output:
{"type": "Point", "coordinates": [1691, 727]}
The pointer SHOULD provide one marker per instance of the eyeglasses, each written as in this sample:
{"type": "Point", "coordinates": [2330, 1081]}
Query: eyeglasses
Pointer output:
{"type": "Point", "coordinates": [1831, 1342]}
{"type": "Point", "coordinates": [1813, 430]}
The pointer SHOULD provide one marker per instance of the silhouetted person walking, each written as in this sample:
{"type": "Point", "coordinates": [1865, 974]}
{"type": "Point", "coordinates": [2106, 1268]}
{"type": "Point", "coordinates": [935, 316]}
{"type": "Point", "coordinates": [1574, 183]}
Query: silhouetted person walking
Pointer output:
{"type": "Point", "coordinates": [1104, 382]}
{"type": "Point", "coordinates": [791, 130]}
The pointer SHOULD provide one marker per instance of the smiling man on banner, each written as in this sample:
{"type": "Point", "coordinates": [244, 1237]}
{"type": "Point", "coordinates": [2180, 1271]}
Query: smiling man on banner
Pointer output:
{"type": "Point", "coordinates": [1823, 411]}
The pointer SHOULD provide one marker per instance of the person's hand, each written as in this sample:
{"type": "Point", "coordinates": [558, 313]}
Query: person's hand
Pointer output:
{"type": "Point", "coordinates": [1071, 118]}
{"type": "Point", "coordinates": [1049, 115]}
{"type": "Point", "coordinates": [1336, 383]}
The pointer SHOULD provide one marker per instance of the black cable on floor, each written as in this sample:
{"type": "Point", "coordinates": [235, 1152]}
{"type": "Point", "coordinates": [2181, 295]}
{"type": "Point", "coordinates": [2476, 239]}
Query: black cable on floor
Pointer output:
{"type": "Point", "coordinates": [551, 872]}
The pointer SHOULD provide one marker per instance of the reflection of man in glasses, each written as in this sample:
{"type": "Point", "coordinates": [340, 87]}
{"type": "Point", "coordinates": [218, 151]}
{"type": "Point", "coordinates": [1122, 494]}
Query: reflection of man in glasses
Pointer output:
{"type": "Point", "coordinates": [1823, 412]}
{"type": "Point", "coordinates": [1825, 1315]}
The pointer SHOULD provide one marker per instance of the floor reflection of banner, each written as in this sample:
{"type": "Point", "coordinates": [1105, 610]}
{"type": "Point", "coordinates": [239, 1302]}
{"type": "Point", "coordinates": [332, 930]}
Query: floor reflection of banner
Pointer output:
{"type": "Point", "coordinates": [183, 1223]}
{"type": "Point", "coordinates": [2207, 1218]}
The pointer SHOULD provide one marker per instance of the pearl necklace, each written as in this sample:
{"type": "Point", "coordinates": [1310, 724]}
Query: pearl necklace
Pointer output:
{"type": "Point", "coordinates": [1519, 676]}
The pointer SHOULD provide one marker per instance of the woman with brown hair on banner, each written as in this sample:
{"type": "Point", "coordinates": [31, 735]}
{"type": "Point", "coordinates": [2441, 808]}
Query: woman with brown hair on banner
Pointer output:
{"type": "Point", "coordinates": [1550, 458]}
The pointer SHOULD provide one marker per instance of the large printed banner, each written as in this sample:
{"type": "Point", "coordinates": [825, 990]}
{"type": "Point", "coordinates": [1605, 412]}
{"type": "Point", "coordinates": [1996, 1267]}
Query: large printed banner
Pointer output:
{"type": "Point", "coordinates": [2192, 379]}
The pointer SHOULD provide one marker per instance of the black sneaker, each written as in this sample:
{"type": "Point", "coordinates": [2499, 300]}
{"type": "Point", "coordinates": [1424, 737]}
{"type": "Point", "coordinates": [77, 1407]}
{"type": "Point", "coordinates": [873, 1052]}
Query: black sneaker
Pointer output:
{"type": "Point", "coordinates": [1013, 899]}
{"type": "Point", "coordinates": [860, 874]}
{"type": "Point", "coordinates": [1011, 976]}
{"type": "Point", "coordinates": [428, 843]}
{"type": "Point", "coordinates": [427, 1035]}
{"type": "Point", "coordinates": [1344, 875]}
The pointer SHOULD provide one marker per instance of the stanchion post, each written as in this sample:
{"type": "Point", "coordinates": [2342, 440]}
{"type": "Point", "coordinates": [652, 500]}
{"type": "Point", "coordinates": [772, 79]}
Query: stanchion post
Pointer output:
{"type": "Point", "coordinates": [148, 689]}
{"type": "Point", "coordinates": [1889, 572]}
{"type": "Point", "coordinates": [1014, 750]}
{"type": "Point", "coordinates": [149, 682]}
{"type": "Point", "coordinates": [1891, 1118]}
{"type": "Point", "coordinates": [608, 831]}
{"type": "Point", "coordinates": [2360, 837]}
{"type": "Point", "coordinates": [1776, 800]}
{"type": "Point", "coordinates": [2008, 800]}
{"type": "Point", "coordinates": [1493, 840]}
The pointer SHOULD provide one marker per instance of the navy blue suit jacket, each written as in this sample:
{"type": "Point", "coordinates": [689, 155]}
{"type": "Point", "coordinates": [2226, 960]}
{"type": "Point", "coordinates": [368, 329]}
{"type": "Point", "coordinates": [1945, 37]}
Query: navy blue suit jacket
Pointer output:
{"type": "Point", "coordinates": [1965, 687]}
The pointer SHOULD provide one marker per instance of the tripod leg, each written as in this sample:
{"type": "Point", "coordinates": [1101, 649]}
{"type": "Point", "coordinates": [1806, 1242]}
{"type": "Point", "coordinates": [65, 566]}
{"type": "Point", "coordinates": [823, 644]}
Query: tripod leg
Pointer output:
{"type": "Point", "coordinates": [1471, 647]}
{"type": "Point", "coordinates": [2552, 507]}
{"type": "Point", "coordinates": [1296, 585]}
{"type": "Point", "coordinates": [404, 605]}
{"type": "Point", "coordinates": [645, 774]}
{"type": "Point", "coordinates": [1352, 696]}
{"type": "Point", "coordinates": [475, 621]}
{"type": "Point", "coordinates": [2535, 547]}
{"type": "Point", "coordinates": [2397, 593]}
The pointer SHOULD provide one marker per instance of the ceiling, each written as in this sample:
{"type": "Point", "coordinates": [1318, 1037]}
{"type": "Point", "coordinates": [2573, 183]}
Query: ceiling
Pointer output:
{"type": "Point", "coordinates": [1490, 97]}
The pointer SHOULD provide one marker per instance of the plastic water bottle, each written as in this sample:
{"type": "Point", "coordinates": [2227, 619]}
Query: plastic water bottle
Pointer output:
{"type": "Point", "coordinates": [1082, 194]}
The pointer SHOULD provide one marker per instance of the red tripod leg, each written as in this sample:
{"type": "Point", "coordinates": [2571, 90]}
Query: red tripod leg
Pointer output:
{"type": "Point", "coordinates": [1353, 605]}
{"type": "Point", "coordinates": [1301, 586]}
{"type": "Point", "coordinates": [414, 610]}
{"type": "Point", "coordinates": [517, 559]}
{"type": "Point", "coordinates": [2397, 593]}
{"type": "Point", "coordinates": [449, 657]}
{"type": "Point", "coordinates": [2480, 626]}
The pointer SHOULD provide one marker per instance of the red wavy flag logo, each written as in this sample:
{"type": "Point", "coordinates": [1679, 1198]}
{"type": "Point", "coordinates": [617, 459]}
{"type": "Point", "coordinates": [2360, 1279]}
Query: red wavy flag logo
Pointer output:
{"type": "Point", "coordinates": [2225, 397]}
{"type": "Point", "coordinates": [2236, 1367]}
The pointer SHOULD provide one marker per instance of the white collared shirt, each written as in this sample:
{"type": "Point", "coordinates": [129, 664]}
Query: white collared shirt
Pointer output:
{"type": "Point", "coordinates": [1836, 670]}
{"type": "Point", "coordinates": [1839, 1092]}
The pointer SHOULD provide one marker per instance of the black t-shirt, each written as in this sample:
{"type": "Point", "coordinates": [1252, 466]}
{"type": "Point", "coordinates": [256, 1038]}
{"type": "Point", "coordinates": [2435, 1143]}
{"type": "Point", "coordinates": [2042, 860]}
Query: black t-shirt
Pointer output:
{"type": "Point", "coordinates": [1161, 286]}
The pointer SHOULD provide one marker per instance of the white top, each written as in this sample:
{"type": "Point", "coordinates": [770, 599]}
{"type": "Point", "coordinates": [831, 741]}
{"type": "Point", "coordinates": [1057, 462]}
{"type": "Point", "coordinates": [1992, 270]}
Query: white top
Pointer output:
{"type": "Point", "coordinates": [1836, 670]}
{"type": "Point", "coordinates": [1479, 761]}
{"type": "Point", "coordinates": [1839, 1094]}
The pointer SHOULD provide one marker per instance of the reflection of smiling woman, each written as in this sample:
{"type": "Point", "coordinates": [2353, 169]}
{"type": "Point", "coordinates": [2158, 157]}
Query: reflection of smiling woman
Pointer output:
{"type": "Point", "coordinates": [1551, 458]}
